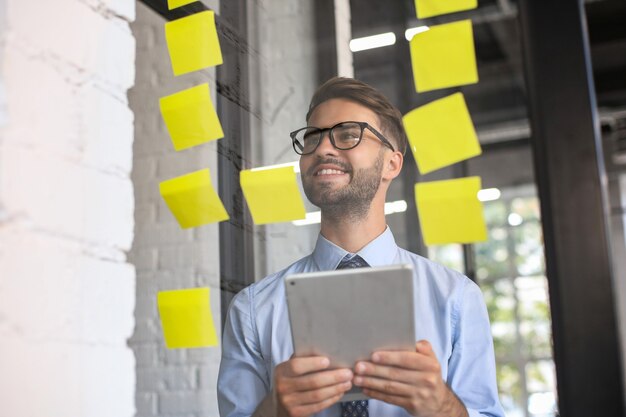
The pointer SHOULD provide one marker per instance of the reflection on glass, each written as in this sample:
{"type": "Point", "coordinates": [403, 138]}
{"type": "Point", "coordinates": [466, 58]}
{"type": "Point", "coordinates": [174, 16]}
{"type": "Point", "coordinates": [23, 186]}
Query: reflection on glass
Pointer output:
{"type": "Point", "coordinates": [518, 307]}
{"type": "Point", "coordinates": [448, 255]}
{"type": "Point", "coordinates": [486, 254]}
{"type": "Point", "coordinates": [511, 273]}
{"type": "Point", "coordinates": [526, 207]}
{"type": "Point", "coordinates": [495, 212]}
{"type": "Point", "coordinates": [529, 248]}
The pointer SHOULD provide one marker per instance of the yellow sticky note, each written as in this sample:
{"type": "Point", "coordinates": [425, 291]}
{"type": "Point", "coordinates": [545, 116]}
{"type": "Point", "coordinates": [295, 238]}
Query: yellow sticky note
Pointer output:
{"type": "Point", "coordinates": [441, 133]}
{"type": "Point", "coordinates": [186, 318]}
{"type": "Point", "coordinates": [272, 195]}
{"type": "Point", "coordinates": [443, 56]}
{"type": "Point", "coordinates": [450, 212]}
{"type": "Point", "coordinates": [193, 43]}
{"type": "Point", "coordinates": [429, 8]}
{"type": "Point", "coordinates": [192, 199]}
{"type": "Point", "coordinates": [190, 117]}
{"type": "Point", "coordinates": [172, 4]}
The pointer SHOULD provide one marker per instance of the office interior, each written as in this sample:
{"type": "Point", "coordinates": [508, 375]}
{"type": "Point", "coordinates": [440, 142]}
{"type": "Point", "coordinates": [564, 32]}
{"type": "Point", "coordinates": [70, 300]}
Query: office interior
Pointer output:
{"type": "Point", "coordinates": [87, 242]}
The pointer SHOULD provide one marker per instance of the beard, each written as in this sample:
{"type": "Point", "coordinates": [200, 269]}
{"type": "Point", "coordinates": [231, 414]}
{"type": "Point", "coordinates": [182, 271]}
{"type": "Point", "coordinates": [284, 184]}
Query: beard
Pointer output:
{"type": "Point", "coordinates": [352, 201]}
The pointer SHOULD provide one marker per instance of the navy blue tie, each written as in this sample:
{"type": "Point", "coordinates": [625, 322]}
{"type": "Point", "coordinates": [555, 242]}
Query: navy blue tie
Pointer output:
{"type": "Point", "coordinates": [353, 408]}
{"type": "Point", "coordinates": [352, 261]}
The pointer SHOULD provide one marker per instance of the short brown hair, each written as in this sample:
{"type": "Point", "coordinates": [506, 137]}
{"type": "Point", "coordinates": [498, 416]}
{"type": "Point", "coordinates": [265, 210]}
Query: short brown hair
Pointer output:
{"type": "Point", "coordinates": [368, 96]}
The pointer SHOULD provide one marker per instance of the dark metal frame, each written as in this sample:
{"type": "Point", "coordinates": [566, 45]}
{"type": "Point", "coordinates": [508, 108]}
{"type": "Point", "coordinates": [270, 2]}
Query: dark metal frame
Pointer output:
{"type": "Point", "coordinates": [325, 40]}
{"type": "Point", "coordinates": [570, 177]}
{"type": "Point", "coordinates": [234, 109]}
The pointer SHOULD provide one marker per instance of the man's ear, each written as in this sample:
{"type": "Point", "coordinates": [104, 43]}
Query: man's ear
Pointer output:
{"type": "Point", "coordinates": [393, 166]}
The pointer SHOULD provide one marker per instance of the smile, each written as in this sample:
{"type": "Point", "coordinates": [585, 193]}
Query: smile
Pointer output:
{"type": "Point", "coordinates": [329, 172]}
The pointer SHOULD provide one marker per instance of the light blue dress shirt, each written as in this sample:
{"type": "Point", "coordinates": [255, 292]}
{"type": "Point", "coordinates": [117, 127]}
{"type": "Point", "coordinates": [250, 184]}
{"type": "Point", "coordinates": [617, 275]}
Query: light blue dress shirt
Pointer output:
{"type": "Point", "coordinates": [450, 314]}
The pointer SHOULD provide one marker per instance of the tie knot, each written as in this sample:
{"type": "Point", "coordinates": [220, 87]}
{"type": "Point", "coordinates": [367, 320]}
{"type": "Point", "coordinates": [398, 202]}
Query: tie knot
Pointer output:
{"type": "Point", "coordinates": [352, 261]}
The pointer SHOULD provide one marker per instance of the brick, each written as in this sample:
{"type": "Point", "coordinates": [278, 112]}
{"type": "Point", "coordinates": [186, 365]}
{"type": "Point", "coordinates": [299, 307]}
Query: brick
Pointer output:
{"type": "Point", "coordinates": [146, 332]}
{"type": "Point", "coordinates": [165, 233]}
{"type": "Point", "coordinates": [121, 8]}
{"type": "Point", "coordinates": [81, 298]}
{"type": "Point", "coordinates": [145, 355]}
{"type": "Point", "coordinates": [200, 254]}
{"type": "Point", "coordinates": [166, 378]}
{"type": "Point", "coordinates": [144, 259]}
{"type": "Point", "coordinates": [67, 379]}
{"type": "Point", "coordinates": [174, 164]}
{"type": "Point", "coordinates": [144, 171]}
{"type": "Point", "coordinates": [146, 403]}
{"type": "Point", "coordinates": [180, 402]}
{"type": "Point", "coordinates": [173, 356]}
{"type": "Point", "coordinates": [107, 125]}
{"type": "Point", "coordinates": [64, 198]}
{"type": "Point", "coordinates": [106, 48]}
{"type": "Point", "coordinates": [148, 283]}
{"type": "Point", "coordinates": [145, 212]}
{"type": "Point", "coordinates": [146, 306]}
{"type": "Point", "coordinates": [31, 122]}
{"type": "Point", "coordinates": [207, 374]}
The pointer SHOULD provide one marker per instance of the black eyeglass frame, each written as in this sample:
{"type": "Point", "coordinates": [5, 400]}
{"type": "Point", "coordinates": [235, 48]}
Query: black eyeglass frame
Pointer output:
{"type": "Point", "coordinates": [363, 125]}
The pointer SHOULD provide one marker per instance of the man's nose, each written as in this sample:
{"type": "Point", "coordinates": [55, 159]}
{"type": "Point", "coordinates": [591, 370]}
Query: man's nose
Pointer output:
{"type": "Point", "coordinates": [325, 146]}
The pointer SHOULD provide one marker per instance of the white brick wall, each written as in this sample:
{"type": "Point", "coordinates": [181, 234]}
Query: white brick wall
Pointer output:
{"type": "Point", "coordinates": [66, 290]}
{"type": "Point", "coordinates": [169, 382]}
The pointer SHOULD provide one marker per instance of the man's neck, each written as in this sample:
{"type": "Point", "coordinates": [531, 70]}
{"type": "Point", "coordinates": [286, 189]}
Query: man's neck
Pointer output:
{"type": "Point", "coordinates": [353, 234]}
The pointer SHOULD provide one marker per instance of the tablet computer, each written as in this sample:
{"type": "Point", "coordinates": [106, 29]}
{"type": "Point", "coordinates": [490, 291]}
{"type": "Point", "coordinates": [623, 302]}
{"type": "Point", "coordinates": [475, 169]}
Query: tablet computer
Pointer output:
{"type": "Point", "coordinates": [348, 314]}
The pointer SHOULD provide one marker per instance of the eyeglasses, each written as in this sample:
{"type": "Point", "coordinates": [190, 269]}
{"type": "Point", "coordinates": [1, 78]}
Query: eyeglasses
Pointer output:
{"type": "Point", "coordinates": [343, 136]}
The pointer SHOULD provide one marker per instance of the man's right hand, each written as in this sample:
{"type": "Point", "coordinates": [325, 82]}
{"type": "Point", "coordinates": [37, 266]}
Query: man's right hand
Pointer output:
{"type": "Point", "coordinates": [304, 386]}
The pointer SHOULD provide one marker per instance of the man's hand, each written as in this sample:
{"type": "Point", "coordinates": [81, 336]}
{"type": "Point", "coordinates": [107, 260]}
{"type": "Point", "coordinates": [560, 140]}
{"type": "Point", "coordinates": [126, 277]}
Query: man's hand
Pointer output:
{"type": "Point", "coordinates": [411, 380]}
{"type": "Point", "coordinates": [304, 387]}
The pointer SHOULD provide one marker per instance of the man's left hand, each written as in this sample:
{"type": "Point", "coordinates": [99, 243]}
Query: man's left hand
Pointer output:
{"type": "Point", "coordinates": [411, 380]}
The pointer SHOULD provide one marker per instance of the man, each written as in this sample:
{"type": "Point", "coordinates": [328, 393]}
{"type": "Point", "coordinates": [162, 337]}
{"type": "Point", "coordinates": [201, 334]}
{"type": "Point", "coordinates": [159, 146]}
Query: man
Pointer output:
{"type": "Point", "coordinates": [350, 153]}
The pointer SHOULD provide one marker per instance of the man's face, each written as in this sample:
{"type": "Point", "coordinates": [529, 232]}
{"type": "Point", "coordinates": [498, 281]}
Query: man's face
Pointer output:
{"type": "Point", "coordinates": [343, 179]}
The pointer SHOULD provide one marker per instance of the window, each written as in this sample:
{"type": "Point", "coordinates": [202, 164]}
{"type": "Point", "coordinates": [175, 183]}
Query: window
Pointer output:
{"type": "Point", "coordinates": [511, 273]}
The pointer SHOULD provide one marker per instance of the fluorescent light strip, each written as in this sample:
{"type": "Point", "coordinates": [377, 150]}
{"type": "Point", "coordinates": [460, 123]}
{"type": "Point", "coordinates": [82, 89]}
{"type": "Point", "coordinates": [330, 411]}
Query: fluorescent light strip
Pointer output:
{"type": "Point", "coordinates": [489, 194]}
{"type": "Point", "coordinates": [294, 164]}
{"type": "Point", "coordinates": [399, 206]}
{"type": "Point", "coordinates": [409, 33]}
{"type": "Point", "coordinates": [371, 42]}
{"type": "Point", "coordinates": [315, 217]}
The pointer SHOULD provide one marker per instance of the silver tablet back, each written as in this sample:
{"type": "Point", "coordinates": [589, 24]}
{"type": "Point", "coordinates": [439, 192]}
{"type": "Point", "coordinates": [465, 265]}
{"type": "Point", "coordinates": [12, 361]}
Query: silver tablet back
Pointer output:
{"type": "Point", "coordinates": [348, 314]}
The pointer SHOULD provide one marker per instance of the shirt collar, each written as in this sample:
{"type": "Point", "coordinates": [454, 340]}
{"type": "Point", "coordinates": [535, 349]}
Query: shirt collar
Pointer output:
{"type": "Point", "coordinates": [380, 251]}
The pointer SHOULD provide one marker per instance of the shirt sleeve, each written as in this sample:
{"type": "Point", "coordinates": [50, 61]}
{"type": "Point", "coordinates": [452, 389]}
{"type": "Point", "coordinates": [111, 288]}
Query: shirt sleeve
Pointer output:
{"type": "Point", "coordinates": [472, 371]}
{"type": "Point", "coordinates": [243, 381]}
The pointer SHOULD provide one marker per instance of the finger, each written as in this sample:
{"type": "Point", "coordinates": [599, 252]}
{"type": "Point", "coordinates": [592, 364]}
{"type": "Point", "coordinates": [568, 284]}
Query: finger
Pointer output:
{"type": "Point", "coordinates": [386, 386]}
{"type": "Point", "coordinates": [403, 402]}
{"type": "Point", "coordinates": [407, 360]}
{"type": "Point", "coordinates": [425, 348]}
{"type": "Point", "coordinates": [305, 365]}
{"type": "Point", "coordinates": [318, 395]}
{"type": "Point", "coordinates": [321, 379]}
{"type": "Point", "coordinates": [392, 373]}
{"type": "Point", "coordinates": [308, 409]}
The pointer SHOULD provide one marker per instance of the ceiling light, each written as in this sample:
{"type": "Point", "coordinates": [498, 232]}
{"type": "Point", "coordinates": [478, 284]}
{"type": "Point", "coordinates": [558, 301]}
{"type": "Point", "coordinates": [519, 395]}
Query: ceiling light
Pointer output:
{"type": "Point", "coordinates": [409, 33]}
{"type": "Point", "coordinates": [371, 42]}
{"type": "Point", "coordinates": [489, 194]}
{"type": "Point", "coordinates": [315, 217]}
{"type": "Point", "coordinates": [294, 164]}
